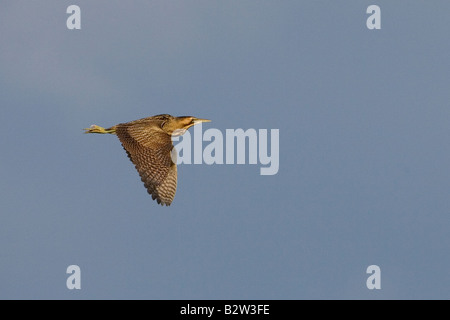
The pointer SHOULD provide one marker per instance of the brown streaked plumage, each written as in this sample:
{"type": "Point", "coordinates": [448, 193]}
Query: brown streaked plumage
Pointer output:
{"type": "Point", "coordinates": [149, 145]}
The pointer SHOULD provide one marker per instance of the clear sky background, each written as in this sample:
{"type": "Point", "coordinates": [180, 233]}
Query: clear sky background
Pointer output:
{"type": "Point", "coordinates": [364, 122]}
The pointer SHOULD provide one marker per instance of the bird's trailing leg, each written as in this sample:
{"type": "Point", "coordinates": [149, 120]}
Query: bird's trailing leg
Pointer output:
{"type": "Point", "coordinates": [97, 129]}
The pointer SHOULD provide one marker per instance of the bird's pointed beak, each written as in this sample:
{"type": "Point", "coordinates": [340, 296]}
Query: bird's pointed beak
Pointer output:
{"type": "Point", "coordinates": [196, 121]}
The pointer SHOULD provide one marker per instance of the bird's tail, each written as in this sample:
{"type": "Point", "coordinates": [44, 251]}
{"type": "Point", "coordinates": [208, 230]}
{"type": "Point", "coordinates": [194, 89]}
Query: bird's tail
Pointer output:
{"type": "Point", "coordinates": [97, 129]}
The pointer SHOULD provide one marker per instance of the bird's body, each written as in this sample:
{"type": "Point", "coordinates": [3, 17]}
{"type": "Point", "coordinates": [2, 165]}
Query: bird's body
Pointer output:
{"type": "Point", "coordinates": [149, 145]}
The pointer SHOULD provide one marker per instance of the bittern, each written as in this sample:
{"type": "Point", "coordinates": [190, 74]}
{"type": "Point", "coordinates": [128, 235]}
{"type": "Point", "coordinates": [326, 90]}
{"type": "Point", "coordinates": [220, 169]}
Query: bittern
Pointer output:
{"type": "Point", "coordinates": [148, 144]}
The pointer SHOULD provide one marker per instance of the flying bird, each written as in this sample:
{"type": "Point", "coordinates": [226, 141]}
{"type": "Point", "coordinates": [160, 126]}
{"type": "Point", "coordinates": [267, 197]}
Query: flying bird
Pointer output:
{"type": "Point", "coordinates": [148, 144]}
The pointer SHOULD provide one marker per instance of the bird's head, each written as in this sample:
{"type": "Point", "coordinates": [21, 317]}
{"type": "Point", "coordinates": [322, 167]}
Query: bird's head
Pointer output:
{"type": "Point", "coordinates": [178, 125]}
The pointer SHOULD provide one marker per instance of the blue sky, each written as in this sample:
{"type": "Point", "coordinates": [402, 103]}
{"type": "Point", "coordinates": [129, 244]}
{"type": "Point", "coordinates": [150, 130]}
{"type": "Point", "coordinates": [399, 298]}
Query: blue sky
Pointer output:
{"type": "Point", "coordinates": [363, 118]}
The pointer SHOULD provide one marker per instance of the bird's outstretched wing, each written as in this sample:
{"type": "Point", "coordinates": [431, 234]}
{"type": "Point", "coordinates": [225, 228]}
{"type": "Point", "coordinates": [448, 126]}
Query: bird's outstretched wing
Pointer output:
{"type": "Point", "coordinates": [149, 148]}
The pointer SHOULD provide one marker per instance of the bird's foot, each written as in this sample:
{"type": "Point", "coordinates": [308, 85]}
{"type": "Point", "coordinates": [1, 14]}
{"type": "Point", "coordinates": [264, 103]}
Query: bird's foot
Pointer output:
{"type": "Point", "coordinates": [95, 129]}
